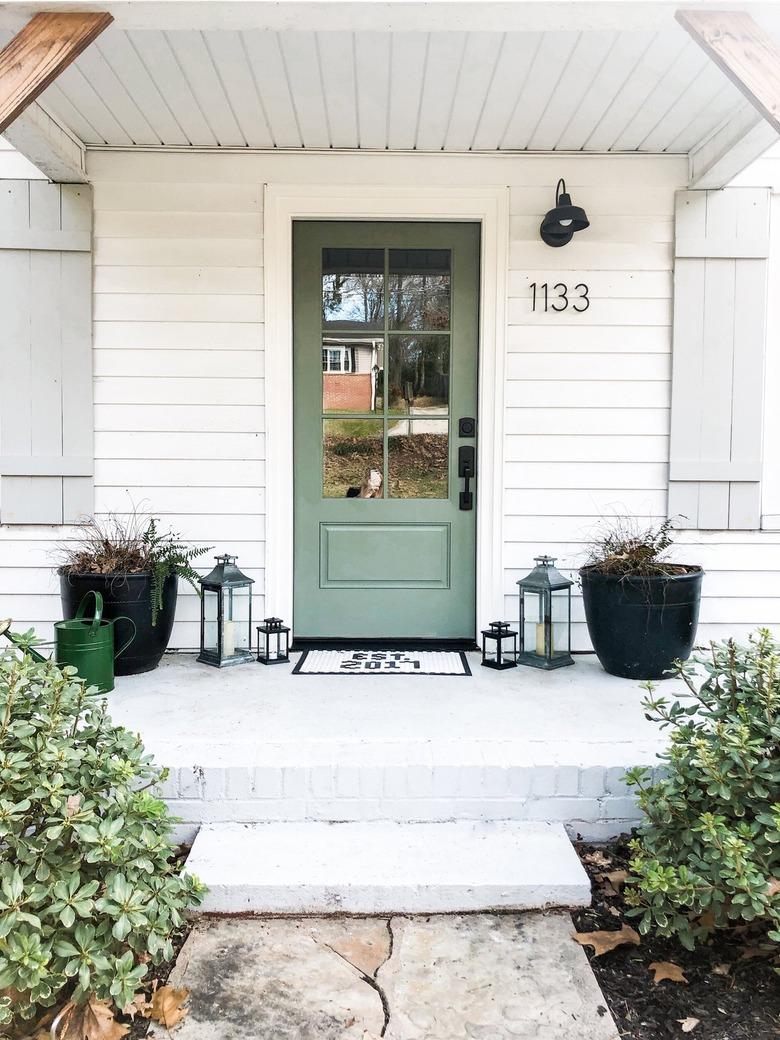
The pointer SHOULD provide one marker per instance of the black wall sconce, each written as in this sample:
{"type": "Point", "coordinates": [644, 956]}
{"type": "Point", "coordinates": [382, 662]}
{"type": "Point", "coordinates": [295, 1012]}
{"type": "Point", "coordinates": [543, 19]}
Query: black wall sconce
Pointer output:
{"type": "Point", "coordinates": [559, 224]}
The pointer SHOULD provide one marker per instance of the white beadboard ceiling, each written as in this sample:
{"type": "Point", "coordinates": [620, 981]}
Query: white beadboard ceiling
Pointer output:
{"type": "Point", "coordinates": [648, 90]}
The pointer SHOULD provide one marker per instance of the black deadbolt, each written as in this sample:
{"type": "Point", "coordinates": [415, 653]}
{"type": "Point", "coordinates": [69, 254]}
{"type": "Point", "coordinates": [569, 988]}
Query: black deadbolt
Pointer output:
{"type": "Point", "coordinates": [467, 427]}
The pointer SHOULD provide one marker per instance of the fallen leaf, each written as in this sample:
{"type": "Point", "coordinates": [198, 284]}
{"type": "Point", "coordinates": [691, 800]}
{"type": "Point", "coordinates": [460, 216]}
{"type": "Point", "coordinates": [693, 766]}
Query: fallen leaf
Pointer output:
{"type": "Point", "coordinates": [749, 952]}
{"type": "Point", "coordinates": [773, 887]}
{"type": "Point", "coordinates": [721, 969]}
{"type": "Point", "coordinates": [613, 910]}
{"type": "Point", "coordinates": [688, 1024]}
{"type": "Point", "coordinates": [603, 942]}
{"type": "Point", "coordinates": [139, 1005]}
{"type": "Point", "coordinates": [167, 1006]}
{"type": "Point", "coordinates": [91, 1021]}
{"type": "Point", "coordinates": [73, 804]}
{"type": "Point", "coordinates": [614, 881]}
{"type": "Point", "coordinates": [664, 970]}
{"type": "Point", "coordinates": [597, 859]}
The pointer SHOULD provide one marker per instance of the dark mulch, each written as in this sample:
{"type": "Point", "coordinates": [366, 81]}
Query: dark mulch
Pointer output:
{"type": "Point", "coordinates": [158, 974]}
{"type": "Point", "coordinates": [743, 1004]}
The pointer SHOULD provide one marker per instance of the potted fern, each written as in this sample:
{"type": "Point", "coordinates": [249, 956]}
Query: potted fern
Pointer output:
{"type": "Point", "coordinates": [136, 569]}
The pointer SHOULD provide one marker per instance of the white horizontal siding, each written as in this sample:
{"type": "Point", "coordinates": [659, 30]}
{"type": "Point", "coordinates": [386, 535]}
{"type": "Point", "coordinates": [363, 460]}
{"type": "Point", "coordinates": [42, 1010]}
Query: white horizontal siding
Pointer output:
{"type": "Point", "coordinates": [179, 373]}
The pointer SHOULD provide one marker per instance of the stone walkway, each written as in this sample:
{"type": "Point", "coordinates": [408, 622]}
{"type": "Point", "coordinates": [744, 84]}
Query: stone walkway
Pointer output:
{"type": "Point", "coordinates": [476, 977]}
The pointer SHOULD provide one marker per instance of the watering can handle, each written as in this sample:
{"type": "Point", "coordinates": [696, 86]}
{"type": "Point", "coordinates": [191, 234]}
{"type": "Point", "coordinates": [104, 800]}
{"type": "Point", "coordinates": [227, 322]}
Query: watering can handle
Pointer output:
{"type": "Point", "coordinates": [98, 610]}
{"type": "Point", "coordinates": [122, 649]}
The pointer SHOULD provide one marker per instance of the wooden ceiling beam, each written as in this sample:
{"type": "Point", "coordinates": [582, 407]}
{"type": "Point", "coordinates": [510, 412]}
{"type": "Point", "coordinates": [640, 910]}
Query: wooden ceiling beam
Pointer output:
{"type": "Point", "coordinates": [740, 48]}
{"type": "Point", "coordinates": [38, 54]}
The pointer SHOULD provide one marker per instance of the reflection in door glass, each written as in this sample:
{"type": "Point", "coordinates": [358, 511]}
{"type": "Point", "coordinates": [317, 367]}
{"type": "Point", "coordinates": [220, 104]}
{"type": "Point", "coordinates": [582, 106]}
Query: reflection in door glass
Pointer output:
{"type": "Point", "coordinates": [352, 375]}
{"type": "Point", "coordinates": [419, 375]}
{"type": "Point", "coordinates": [353, 282]}
{"type": "Point", "coordinates": [352, 458]}
{"type": "Point", "coordinates": [419, 289]}
{"type": "Point", "coordinates": [418, 458]}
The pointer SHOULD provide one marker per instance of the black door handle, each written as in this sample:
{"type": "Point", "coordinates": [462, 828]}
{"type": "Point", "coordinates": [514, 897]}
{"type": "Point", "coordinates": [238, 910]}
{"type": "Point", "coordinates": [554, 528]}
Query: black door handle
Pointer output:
{"type": "Point", "coordinates": [467, 470]}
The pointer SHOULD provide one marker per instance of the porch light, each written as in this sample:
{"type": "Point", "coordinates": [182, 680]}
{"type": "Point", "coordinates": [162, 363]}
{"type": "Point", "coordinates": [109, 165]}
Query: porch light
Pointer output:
{"type": "Point", "coordinates": [560, 224]}
{"type": "Point", "coordinates": [499, 646]}
{"type": "Point", "coordinates": [225, 615]}
{"type": "Point", "coordinates": [545, 616]}
{"type": "Point", "coordinates": [273, 641]}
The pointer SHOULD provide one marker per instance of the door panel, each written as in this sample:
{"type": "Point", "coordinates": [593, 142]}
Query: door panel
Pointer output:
{"type": "Point", "coordinates": [385, 363]}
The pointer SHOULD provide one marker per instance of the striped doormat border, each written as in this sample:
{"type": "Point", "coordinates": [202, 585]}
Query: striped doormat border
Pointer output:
{"type": "Point", "coordinates": [382, 662]}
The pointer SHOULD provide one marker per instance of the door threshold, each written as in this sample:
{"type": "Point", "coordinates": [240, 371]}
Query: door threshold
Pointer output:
{"type": "Point", "coordinates": [303, 643]}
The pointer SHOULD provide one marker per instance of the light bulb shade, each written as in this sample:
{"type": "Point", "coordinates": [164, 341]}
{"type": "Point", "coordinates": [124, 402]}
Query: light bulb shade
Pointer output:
{"type": "Point", "coordinates": [561, 223]}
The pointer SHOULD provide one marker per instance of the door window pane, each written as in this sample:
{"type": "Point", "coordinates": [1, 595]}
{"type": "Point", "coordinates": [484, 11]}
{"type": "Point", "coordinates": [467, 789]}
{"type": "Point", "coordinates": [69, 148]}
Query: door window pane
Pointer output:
{"type": "Point", "coordinates": [419, 375]}
{"type": "Point", "coordinates": [352, 458]}
{"type": "Point", "coordinates": [419, 289]}
{"type": "Point", "coordinates": [418, 458]}
{"type": "Point", "coordinates": [353, 287]}
{"type": "Point", "coordinates": [352, 374]}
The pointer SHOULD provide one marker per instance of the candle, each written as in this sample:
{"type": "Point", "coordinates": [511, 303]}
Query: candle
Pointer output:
{"type": "Point", "coordinates": [229, 639]}
{"type": "Point", "coordinates": [540, 639]}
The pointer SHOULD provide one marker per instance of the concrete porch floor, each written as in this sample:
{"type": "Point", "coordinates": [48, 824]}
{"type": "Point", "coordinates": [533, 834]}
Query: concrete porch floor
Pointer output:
{"type": "Point", "coordinates": [237, 716]}
{"type": "Point", "coordinates": [256, 744]}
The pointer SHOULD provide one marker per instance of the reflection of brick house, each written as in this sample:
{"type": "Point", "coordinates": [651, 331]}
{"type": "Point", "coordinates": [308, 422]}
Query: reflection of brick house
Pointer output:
{"type": "Point", "coordinates": [347, 391]}
{"type": "Point", "coordinates": [349, 374]}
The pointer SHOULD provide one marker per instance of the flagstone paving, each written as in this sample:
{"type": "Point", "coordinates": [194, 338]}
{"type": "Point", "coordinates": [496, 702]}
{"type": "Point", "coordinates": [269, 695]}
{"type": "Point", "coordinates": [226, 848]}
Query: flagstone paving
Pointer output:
{"type": "Point", "coordinates": [440, 977]}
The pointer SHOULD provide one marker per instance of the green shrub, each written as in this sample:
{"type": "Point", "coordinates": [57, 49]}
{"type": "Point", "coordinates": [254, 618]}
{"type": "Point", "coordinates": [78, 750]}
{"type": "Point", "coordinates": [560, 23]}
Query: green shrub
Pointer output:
{"type": "Point", "coordinates": [708, 852]}
{"type": "Point", "coordinates": [89, 891]}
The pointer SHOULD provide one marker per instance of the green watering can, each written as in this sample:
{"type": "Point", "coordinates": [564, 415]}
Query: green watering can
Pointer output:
{"type": "Point", "coordinates": [88, 644]}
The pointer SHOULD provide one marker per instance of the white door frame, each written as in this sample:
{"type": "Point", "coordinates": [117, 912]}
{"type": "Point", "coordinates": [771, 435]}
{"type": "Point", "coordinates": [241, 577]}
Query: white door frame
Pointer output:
{"type": "Point", "coordinates": [285, 203]}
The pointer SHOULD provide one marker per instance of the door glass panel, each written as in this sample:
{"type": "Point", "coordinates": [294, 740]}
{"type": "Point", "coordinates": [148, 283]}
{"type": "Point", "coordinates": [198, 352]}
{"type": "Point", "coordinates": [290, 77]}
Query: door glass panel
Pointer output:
{"type": "Point", "coordinates": [353, 288]}
{"type": "Point", "coordinates": [352, 458]}
{"type": "Point", "coordinates": [419, 289]}
{"type": "Point", "coordinates": [352, 375]}
{"type": "Point", "coordinates": [419, 375]}
{"type": "Point", "coordinates": [418, 458]}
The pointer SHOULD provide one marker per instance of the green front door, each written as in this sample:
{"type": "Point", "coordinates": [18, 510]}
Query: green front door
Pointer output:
{"type": "Point", "coordinates": [385, 372]}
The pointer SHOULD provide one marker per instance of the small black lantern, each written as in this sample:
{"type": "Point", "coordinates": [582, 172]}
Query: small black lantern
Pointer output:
{"type": "Point", "coordinates": [560, 224]}
{"type": "Point", "coordinates": [499, 646]}
{"type": "Point", "coordinates": [225, 615]}
{"type": "Point", "coordinates": [545, 616]}
{"type": "Point", "coordinates": [273, 641]}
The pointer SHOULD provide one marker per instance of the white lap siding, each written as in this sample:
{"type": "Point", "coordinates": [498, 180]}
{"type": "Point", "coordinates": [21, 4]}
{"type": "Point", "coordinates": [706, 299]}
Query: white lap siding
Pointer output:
{"type": "Point", "coordinates": [179, 348]}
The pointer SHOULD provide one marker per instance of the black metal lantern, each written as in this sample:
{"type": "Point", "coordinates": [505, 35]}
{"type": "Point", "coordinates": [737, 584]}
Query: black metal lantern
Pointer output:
{"type": "Point", "coordinates": [545, 616]}
{"type": "Point", "coordinates": [273, 641]}
{"type": "Point", "coordinates": [225, 615]}
{"type": "Point", "coordinates": [560, 224]}
{"type": "Point", "coordinates": [499, 646]}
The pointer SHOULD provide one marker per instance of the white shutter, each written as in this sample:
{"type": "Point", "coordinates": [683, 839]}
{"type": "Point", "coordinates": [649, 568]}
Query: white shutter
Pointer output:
{"type": "Point", "coordinates": [720, 291]}
{"type": "Point", "coordinates": [46, 423]}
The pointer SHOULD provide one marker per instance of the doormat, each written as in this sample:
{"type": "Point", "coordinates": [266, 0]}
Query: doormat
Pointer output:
{"type": "Point", "coordinates": [382, 662]}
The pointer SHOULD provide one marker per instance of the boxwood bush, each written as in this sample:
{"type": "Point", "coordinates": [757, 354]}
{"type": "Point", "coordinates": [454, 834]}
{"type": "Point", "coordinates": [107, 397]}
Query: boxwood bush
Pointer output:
{"type": "Point", "coordinates": [90, 892]}
{"type": "Point", "coordinates": [708, 852]}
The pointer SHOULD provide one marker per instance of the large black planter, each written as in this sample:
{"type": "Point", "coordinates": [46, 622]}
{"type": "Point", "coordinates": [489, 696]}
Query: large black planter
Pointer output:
{"type": "Point", "coordinates": [127, 595]}
{"type": "Point", "coordinates": [640, 626]}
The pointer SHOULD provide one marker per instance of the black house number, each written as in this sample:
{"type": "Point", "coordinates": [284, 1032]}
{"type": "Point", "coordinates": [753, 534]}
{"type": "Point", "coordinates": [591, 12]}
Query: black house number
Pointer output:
{"type": "Point", "coordinates": [557, 298]}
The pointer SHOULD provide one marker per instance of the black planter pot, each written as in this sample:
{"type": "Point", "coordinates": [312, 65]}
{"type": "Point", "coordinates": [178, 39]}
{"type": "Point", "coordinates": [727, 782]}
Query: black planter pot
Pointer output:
{"type": "Point", "coordinates": [127, 595]}
{"type": "Point", "coordinates": [640, 626]}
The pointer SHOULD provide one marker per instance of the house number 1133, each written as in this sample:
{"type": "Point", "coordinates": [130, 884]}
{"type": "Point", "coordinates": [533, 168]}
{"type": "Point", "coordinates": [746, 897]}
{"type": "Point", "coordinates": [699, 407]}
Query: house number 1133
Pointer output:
{"type": "Point", "coordinates": [556, 298]}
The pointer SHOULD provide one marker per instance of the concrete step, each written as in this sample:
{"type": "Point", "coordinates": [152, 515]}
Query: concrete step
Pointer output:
{"type": "Point", "coordinates": [386, 867]}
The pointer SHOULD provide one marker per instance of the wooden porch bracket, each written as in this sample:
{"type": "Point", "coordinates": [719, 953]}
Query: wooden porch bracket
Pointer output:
{"type": "Point", "coordinates": [38, 54]}
{"type": "Point", "coordinates": [740, 47]}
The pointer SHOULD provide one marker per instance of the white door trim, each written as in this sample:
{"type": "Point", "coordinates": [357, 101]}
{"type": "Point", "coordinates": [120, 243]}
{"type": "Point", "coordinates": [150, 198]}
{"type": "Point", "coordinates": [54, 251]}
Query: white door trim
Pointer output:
{"type": "Point", "coordinates": [285, 203]}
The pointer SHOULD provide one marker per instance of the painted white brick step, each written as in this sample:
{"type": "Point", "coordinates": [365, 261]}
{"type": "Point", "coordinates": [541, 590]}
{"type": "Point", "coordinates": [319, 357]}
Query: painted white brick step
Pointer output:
{"type": "Point", "coordinates": [385, 867]}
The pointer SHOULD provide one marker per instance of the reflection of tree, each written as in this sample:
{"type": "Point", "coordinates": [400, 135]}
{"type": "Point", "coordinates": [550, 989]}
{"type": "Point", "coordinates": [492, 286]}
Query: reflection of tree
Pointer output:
{"type": "Point", "coordinates": [353, 297]}
{"type": "Point", "coordinates": [419, 372]}
{"type": "Point", "coordinates": [420, 301]}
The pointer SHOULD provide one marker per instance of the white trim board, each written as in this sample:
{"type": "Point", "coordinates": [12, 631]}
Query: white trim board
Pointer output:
{"type": "Point", "coordinates": [285, 203]}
